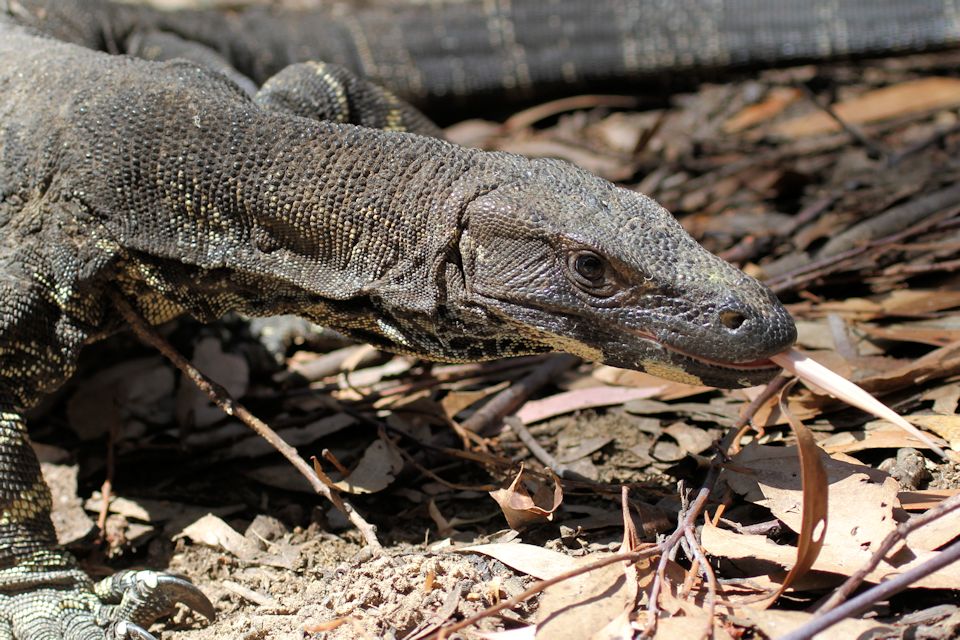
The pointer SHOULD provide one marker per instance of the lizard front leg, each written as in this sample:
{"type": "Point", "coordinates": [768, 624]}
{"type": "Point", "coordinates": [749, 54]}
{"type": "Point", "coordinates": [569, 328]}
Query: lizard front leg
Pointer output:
{"type": "Point", "coordinates": [44, 595]}
{"type": "Point", "coordinates": [332, 93]}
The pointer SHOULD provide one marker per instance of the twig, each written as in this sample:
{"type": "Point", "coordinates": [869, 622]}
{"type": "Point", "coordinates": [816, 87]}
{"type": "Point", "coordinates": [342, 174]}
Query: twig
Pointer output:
{"type": "Point", "coordinates": [900, 533]}
{"type": "Point", "coordinates": [539, 586]}
{"type": "Point", "coordinates": [669, 546]}
{"type": "Point", "coordinates": [912, 269]}
{"type": "Point", "coordinates": [937, 137]}
{"type": "Point", "coordinates": [106, 492]}
{"type": "Point", "coordinates": [711, 600]}
{"type": "Point", "coordinates": [527, 117]}
{"type": "Point", "coordinates": [463, 373]}
{"type": "Point", "coordinates": [106, 489]}
{"type": "Point", "coordinates": [873, 595]}
{"type": "Point", "coordinates": [219, 396]}
{"type": "Point", "coordinates": [822, 266]}
{"type": "Point", "coordinates": [874, 148]}
{"type": "Point", "coordinates": [433, 475]}
{"type": "Point", "coordinates": [516, 425]}
{"type": "Point", "coordinates": [509, 400]}
{"type": "Point", "coordinates": [893, 220]}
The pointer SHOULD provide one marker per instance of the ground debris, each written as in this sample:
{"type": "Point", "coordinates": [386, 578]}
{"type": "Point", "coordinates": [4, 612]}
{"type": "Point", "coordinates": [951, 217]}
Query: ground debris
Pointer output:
{"type": "Point", "coordinates": [836, 184]}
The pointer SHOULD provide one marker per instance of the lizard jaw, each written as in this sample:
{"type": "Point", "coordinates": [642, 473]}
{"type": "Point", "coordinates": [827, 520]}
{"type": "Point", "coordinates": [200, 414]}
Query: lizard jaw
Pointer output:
{"type": "Point", "coordinates": [683, 366]}
{"type": "Point", "coordinates": [762, 363]}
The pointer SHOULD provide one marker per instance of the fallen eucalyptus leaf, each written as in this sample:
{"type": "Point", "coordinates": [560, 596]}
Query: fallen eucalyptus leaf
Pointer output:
{"type": "Point", "coordinates": [812, 372]}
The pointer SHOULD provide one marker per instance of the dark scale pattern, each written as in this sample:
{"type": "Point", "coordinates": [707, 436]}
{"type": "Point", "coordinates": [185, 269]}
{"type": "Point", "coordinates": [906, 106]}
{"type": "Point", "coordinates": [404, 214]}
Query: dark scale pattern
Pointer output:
{"type": "Point", "coordinates": [168, 182]}
{"type": "Point", "coordinates": [425, 51]}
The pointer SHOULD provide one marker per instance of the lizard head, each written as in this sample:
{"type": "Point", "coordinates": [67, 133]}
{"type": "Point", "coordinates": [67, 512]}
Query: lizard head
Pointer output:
{"type": "Point", "coordinates": [576, 264]}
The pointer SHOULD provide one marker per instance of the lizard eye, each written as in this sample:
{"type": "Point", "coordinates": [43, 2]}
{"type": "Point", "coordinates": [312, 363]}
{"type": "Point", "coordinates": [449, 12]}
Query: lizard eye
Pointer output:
{"type": "Point", "coordinates": [588, 270]}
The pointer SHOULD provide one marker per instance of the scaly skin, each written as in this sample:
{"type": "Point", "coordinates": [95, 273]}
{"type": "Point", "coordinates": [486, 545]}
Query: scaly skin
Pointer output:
{"type": "Point", "coordinates": [434, 52]}
{"type": "Point", "coordinates": [166, 182]}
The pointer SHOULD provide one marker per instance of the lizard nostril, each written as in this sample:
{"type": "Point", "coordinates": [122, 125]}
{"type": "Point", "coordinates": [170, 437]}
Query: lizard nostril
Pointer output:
{"type": "Point", "coordinates": [732, 319]}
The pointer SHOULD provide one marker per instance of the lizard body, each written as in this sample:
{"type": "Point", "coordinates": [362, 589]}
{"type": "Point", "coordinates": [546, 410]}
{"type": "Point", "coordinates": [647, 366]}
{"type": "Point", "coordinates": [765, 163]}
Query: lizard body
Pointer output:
{"type": "Point", "coordinates": [430, 52]}
{"type": "Point", "coordinates": [178, 189]}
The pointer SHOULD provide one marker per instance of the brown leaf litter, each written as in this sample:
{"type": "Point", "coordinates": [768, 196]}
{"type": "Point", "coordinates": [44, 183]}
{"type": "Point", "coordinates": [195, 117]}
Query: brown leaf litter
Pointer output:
{"type": "Point", "coordinates": [834, 183]}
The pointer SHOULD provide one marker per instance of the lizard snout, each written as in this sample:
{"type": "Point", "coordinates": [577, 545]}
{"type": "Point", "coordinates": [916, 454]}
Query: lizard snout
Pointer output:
{"type": "Point", "coordinates": [752, 331]}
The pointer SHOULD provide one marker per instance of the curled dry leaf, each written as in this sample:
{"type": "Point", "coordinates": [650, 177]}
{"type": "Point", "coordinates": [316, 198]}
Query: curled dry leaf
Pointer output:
{"type": "Point", "coordinates": [816, 490]}
{"type": "Point", "coordinates": [814, 373]}
{"type": "Point", "coordinates": [522, 509]}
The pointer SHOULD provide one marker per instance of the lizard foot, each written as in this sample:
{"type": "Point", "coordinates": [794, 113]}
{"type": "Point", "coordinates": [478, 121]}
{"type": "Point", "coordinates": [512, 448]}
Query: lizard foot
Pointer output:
{"type": "Point", "coordinates": [117, 608]}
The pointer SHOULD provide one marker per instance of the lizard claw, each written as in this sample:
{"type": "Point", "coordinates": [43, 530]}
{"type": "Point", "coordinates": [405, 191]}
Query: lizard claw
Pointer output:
{"type": "Point", "coordinates": [189, 595]}
{"type": "Point", "coordinates": [117, 608]}
{"type": "Point", "coordinates": [143, 596]}
{"type": "Point", "coordinates": [130, 631]}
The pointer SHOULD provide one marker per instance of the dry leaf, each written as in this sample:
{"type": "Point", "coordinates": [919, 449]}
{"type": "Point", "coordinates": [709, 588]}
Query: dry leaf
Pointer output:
{"type": "Point", "coordinates": [377, 469]}
{"type": "Point", "coordinates": [572, 609]}
{"type": "Point", "coordinates": [691, 439]}
{"type": "Point", "coordinates": [136, 387]}
{"type": "Point", "coordinates": [861, 515]}
{"type": "Point", "coordinates": [913, 96]}
{"type": "Point", "coordinates": [214, 532]}
{"type": "Point", "coordinates": [860, 509]}
{"type": "Point", "coordinates": [923, 500]}
{"type": "Point", "coordinates": [812, 372]}
{"type": "Point", "coordinates": [844, 562]}
{"type": "Point", "coordinates": [688, 626]}
{"type": "Point", "coordinates": [522, 509]}
{"type": "Point", "coordinates": [883, 436]}
{"type": "Point", "coordinates": [456, 401]}
{"type": "Point", "coordinates": [778, 99]}
{"type": "Point", "coordinates": [637, 379]}
{"type": "Point", "coordinates": [597, 605]}
{"type": "Point", "coordinates": [814, 509]}
{"type": "Point", "coordinates": [69, 519]}
{"type": "Point", "coordinates": [230, 371]}
{"type": "Point", "coordinates": [579, 399]}
{"type": "Point", "coordinates": [947, 427]}
{"type": "Point", "coordinates": [775, 624]}
{"type": "Point", "coordinates": [528, 559]}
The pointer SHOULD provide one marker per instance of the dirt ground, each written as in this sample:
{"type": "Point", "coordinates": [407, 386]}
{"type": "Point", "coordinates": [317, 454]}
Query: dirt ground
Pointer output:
{"type": "Point", "coordinates": [280, 563]}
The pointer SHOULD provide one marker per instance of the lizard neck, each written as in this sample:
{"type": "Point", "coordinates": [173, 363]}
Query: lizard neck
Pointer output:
{"type": "Point", "coordinates": [291, 214]}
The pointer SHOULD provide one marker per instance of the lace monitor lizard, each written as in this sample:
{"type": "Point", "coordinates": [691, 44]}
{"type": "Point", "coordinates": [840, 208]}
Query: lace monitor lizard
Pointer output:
{"type": "Point", "coordinates": [184, 187]}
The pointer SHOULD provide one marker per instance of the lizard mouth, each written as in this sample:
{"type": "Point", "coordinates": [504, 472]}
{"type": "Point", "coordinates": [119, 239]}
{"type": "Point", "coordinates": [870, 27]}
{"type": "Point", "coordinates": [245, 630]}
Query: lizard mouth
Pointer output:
{"type": "Point", "coordinates": [750, 365]}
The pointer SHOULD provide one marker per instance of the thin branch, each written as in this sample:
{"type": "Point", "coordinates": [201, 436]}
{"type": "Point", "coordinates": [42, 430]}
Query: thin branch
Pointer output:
{"type": "Point", "coordinates": [516, 425]}
{"type": "Point", "coordinates": [537, 587]}
{"type": "Point", "coordinates": [875, 594]}
{"type": "Point", "coordinates": [510, 399]}
{"type": "Point", "coordinates": [893, 538]}
{"type": "Point", "coordinates": [711, 578]}
{"type": "Point", "coordinates": [219, 396]}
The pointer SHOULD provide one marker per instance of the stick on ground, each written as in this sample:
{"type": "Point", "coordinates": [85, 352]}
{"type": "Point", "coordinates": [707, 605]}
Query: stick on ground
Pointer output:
{"type": "Point", "coordinates": [219, 396]}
